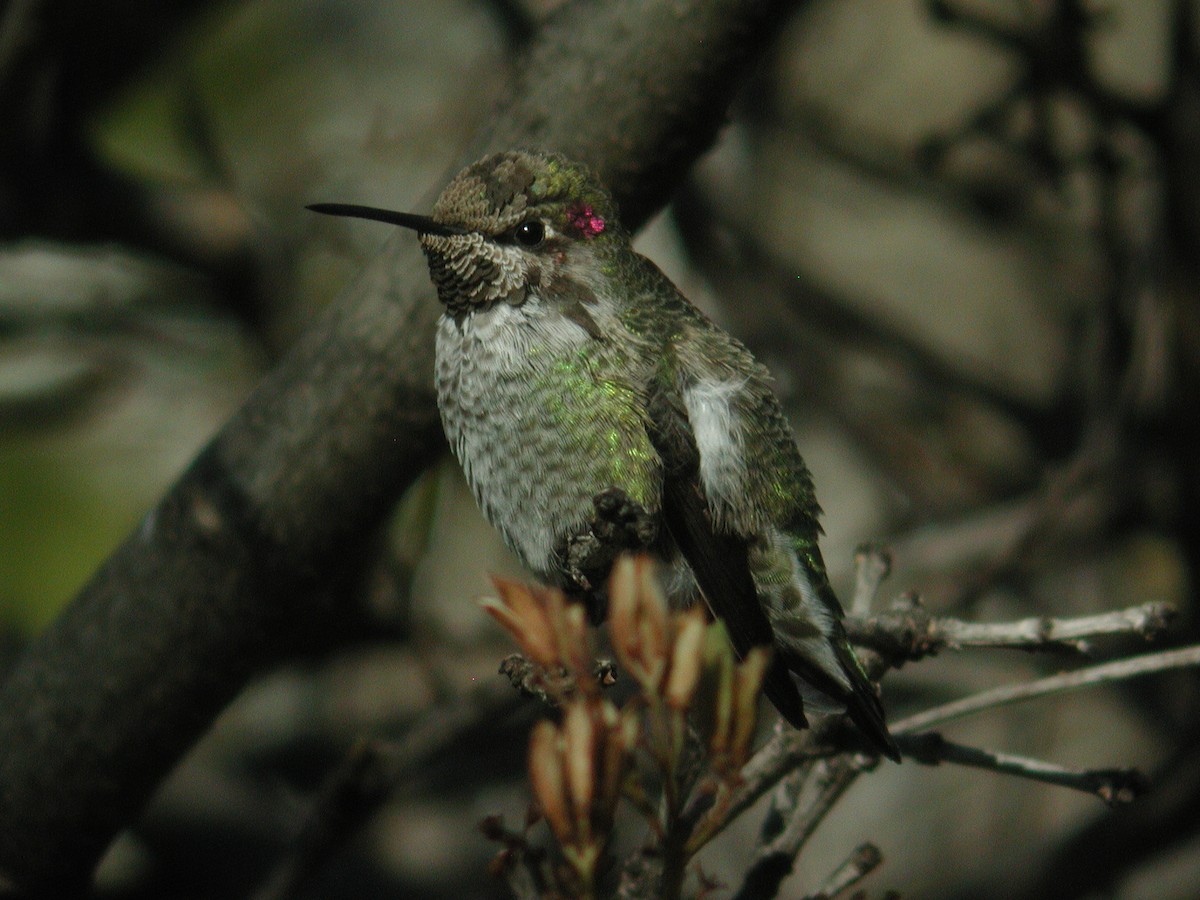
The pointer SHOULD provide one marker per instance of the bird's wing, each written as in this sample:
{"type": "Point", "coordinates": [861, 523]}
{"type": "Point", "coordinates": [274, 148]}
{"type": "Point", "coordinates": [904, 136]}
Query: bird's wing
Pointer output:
{"type": "Point", "coordinates": [719, 558]}
{"type": "Point", "coordinates": [732, 476]}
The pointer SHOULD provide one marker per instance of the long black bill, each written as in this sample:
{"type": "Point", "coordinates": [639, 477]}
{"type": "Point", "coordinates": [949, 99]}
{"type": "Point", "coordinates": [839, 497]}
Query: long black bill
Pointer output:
{"type": "Point", "coordinates": [419, 224]}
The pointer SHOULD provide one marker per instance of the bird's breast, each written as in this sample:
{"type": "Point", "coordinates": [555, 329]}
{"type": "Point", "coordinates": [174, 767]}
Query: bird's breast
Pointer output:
{"type": "Point", "coordinates": [542, 416]}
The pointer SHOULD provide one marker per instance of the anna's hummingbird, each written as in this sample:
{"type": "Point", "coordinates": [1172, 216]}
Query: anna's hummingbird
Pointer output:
{"type": "Point", "coordinates": [594, 409]}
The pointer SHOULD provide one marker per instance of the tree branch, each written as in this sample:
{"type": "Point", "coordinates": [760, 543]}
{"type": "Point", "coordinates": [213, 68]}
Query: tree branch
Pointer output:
{"type": "Point", "coordinates": [909, 632]}
{"type": "Point", "coordinates": [872, 565]}
{"type": "Point", "coordinates": [242, 554]}
{"type": "Point", "coordinates": [1119, 670]}
{"type": "Point", "coordinates": [799, 811]}
{"type": "Point", "coordinates": [1113, 786]}
{"type": "Point", "coordinates": [788, 749]}
{"type": "Point", "coordinates": [858, 865]}
{"type": "Point", "coordinates": [1042, 632]}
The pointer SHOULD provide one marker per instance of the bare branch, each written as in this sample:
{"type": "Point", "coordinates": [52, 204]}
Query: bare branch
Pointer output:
{"type": "Point", "coordinates": [858, 865]}
{"type": "Point", "coordinates": [909, 632]}
{"type": "Point", "coordinates": [1113, 786]}
{"type": "Point", "coordinates": [1120, 670]}
{"type": "Point", "coordinates": [800, 810]}
{"type": "Point", "coordinates": [788, 749]}
{"type": "Point", "coordinates": [783, 753]}
{"type": "Point", "coordinates": [871, 566]}
{"type": "Point", "coordinates": [1146, 621]}
{"type": "Point", "coordinates": [526, 869]}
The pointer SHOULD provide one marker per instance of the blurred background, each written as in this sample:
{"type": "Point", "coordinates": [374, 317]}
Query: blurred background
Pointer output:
{"type": "Point", "coordinates": [963, 235]}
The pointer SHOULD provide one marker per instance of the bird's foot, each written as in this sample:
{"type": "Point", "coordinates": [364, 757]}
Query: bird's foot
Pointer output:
{"type": "Point", "coordinates": [622, 522]}
{"type": "Point", "coordinates": [620, 525]}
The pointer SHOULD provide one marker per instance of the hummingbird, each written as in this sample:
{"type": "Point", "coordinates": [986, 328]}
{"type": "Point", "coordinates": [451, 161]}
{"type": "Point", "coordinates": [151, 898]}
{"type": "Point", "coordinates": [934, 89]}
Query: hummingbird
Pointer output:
{"type": "Point", "coordinates": [595, 410]}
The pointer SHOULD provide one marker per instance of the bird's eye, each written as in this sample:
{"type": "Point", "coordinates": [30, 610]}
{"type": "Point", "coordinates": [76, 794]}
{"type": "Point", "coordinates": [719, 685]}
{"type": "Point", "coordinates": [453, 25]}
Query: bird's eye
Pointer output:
{"type": "Point", "coordinates": [529, 234]}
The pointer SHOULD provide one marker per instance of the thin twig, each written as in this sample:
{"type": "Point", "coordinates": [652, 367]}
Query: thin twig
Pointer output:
{"type": "Point", "coordinates": [909, 632]}
{"type": "Point", "coordinates": [858, 865]}
{"type": "Point", "coordinates": [774, 859]}
{"type": "Point", "coordinates": [1147, 620]}
{"type": "Point", "coordinates": [522, 866]}
{"type": "Point", "coordinates": [872, 565]}
{"type": "Point", "coordinates": [1113, 786]}
{"type": "Point", "coordinates": [787, 748]}
{"type": "Point", "coordinates": [344, 801]}
{"type": "Point", "coordinates": [1119, 670]}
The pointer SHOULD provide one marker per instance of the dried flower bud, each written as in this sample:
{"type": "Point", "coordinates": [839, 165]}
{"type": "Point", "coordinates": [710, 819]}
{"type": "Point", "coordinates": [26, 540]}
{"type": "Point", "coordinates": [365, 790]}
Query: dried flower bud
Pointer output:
{"type": "Point", "coordinates": [550, 631]}
{"type": "Point", "coordinates": [687, 658]}
{"type": "Point", "coordinates": [718, 678]}
{"type": "Point", "coordinates": [522, 610]}
{"type": "Point", "coordinates": [569, 621]}
{"type": "Point", "coordinates": [577, 770]}
{"type": "Point", "coordinates": [579, 763]}
{"type": "Point", "coordinates": [546, 776]}
{"type": "Point", "coordinates": [620, 736]}
{"type": "Point", "coordinates": [638, 620]}
{"type": "Point", "coordinates": [747, 684]}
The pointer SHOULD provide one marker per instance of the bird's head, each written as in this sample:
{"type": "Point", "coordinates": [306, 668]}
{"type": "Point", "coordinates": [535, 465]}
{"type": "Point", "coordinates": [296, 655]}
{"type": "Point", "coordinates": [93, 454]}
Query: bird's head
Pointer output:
{"type": "Point", "coordinates": [512, 224]}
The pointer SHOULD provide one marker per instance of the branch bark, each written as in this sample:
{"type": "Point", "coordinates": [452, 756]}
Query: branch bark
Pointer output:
{"type": "Point", "coordinates": [909, 632]}
{"type": "Point", "coordinates": [220, 578]}
{"type": "Point", "coordinates": [788, 749]}
{"type": "Point", "coordinates": [1117, 670]}
{"type": "Point", "coordinates": [798, 813]}
{"type": "Point", "coordinates": [858, 865]}
{"type": "Point", "coordinates": [1113, 786]}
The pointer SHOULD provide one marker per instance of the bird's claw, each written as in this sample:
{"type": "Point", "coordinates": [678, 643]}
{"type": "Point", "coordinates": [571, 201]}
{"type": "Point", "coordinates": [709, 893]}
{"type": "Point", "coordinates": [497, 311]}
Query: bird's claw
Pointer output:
{"type": "Point", "coordinates": [620, 525]}
{"type": "Point", "coordinates": [621, 522]}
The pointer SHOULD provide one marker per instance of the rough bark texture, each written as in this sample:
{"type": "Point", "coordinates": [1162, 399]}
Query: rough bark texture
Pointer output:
{"type": "Point", "coordinates": [215, 584]}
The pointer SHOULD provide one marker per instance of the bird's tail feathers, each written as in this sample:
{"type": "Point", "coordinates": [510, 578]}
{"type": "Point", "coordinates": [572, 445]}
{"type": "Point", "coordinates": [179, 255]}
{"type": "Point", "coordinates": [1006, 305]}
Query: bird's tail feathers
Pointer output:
{"type": "Point", "coordinates": [867, 713]}
{"type": "Point", "coordinates": [860, 701]}
{"type": "Point", "coordinates": [781, 690]}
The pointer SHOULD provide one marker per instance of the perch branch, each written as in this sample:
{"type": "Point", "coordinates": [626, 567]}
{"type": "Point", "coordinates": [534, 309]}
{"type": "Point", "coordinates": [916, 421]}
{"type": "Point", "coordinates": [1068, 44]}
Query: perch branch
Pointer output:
{"type": "Point", "coordinates": [909, 632]}
{"type": "Point", "coordinates": [788, 749]}
{"type": "Point", "coordinates": [871, 566]}
{"type": "Point", "coordinates": [1147, 621]}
